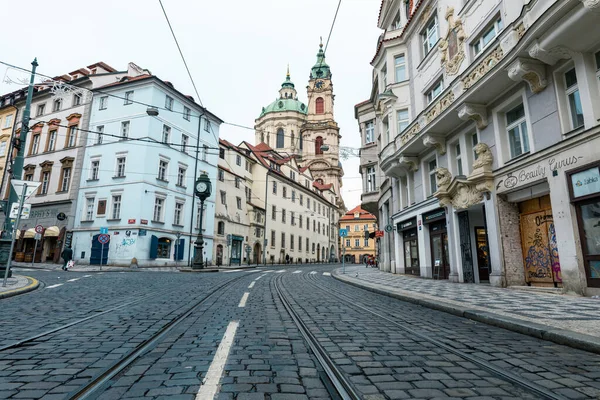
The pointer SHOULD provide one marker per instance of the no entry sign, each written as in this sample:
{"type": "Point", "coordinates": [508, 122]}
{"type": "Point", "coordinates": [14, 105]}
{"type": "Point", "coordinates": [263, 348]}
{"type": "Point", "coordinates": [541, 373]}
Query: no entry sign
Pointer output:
{"type": "Point", "coordinates": [103, 238]}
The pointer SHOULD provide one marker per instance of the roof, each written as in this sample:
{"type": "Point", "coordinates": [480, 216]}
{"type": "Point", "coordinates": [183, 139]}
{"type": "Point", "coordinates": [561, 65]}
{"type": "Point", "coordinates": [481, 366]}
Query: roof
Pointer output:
{"type": "Point", "coordinates": [320, 69]}
{"type": "Point", "coordinates": [281, 105]}
{"type": "Point", "coordinates": [102, 65]}
{"type": "Point", "coordinates": [363, 215]}
{"type": "Point", "coordinates": [325, 186]}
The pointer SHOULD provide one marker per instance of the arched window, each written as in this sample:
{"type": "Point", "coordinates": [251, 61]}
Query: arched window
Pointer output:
{"type": "Point", "coordinates": [280, 140]}
{"type": "Point", "coordinates": [318, 144]}
{"type": "Point", "coordinates": [293, 137]}
{"type": "Point", "coordinates": [163, 248]}
{"type": "Point", "coordinates": [301, 142]}
{"type": "Point", "coordinates": [262, 137]}
{"type": "Point", "coordinates": [319, 107]}
{"type": "Point", "coordinates": [221, 228]}
{"type": "Point", "coordinates": [320, 181]}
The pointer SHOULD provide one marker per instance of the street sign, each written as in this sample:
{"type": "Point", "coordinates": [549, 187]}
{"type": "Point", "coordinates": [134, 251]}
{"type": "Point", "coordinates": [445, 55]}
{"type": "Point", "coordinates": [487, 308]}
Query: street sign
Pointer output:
{"type": "Point", "coordinates": [389, 228]}
{"type": "Point", "coordinates": [61, 216]}
{"type": "Point", "coordinates": [104, 230]}
{"type": "Point", "coordinates": [14, 210]}
{"type": "Point", "coordinates": [143, 232]}
{"type": "Point", "coordinates": [103, 238]}
{"type": "Point", "coordinates": [343, 232]}
{"type": "Point", "coordinates": [378, 233]}
{"type": "Point", "coordinates": [39, 229]}
{"type": "Point", "coordinates": [18, 186]}
{"type": "Point", "coordinates": [37, 236]}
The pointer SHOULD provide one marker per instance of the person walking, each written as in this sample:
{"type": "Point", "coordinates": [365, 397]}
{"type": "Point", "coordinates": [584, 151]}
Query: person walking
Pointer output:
{"type": "Point", "coordinates": [67, 255]}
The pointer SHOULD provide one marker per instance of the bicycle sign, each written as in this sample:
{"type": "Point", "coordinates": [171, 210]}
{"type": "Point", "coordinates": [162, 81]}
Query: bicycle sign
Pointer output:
{"type": "Point", "coordinates": [103, 238]}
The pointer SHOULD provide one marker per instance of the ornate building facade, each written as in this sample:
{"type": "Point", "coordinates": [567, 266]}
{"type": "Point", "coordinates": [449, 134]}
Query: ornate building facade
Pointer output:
{"type": "Point", "coordinates": [308, 132]}
{"type": "Point", "coordinates": [487, 120]}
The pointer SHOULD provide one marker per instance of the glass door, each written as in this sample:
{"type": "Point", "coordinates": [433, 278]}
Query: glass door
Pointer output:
{"type": "Point", "coordinates": [589, 225]}
{"type": "Point", "coordinates": [411, 257]}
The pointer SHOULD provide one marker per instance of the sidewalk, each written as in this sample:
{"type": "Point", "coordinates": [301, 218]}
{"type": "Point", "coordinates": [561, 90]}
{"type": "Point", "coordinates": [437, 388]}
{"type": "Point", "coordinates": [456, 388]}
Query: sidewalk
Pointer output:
{"type": "Point", "coordinates": [18, 284]}
{"type": "Point", "coordinates": [569, 320]}
{"type": "Point", "coordinates": [87, 268]}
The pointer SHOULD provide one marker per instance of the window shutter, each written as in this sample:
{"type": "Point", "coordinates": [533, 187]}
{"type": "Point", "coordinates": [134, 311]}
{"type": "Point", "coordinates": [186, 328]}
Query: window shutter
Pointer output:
{"type": "Point", "coordinates": [153, 247]}
{"type": "Point", "coordinates": [180, 250]}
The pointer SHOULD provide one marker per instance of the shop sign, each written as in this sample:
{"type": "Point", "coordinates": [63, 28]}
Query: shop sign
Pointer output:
{"type": "Point", "coordinates": [131, 221]}
{"type": "Point", "coordinates": [68, 239]}
{"type": "Point", "coordinates": [408, 224]}
{"type": "Point", "coordinates": [378, 234]}
{"type": "Point", "coordinates": [143, 232]}
{"type": "Point", "coordinates": [434, 216]}
{"type": "Point", "coordinates": [50, 213]}
{"type": "Point", "coordinates": [586, 182]}
{"type": "Point", "coordinates": [144, 221]}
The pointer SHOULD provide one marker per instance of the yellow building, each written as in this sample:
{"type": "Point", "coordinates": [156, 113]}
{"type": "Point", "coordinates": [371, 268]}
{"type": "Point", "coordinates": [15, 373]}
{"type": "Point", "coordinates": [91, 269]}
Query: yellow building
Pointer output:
{"type": "Point", "coordinates": [357, 245]}
{"type": "Point", "coordinates": [8, 115]}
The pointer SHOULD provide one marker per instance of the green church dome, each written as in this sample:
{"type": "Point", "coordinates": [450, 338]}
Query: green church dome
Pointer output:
{"type": "Point", "coordinates": [282, 105]}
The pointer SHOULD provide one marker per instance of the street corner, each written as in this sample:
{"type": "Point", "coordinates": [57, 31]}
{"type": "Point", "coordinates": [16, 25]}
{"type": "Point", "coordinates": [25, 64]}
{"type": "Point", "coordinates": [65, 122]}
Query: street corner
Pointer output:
{"type": "Point", "coordinates": [18, 284]}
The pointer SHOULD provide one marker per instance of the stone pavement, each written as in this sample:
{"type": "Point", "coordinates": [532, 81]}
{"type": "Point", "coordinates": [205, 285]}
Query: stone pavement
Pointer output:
{"type": "Point", "coordinates": [17, 284]}
{"type": "Point", "coordinates": [564, 319]}
{"type": "Point", "coordinates": [87, 268]}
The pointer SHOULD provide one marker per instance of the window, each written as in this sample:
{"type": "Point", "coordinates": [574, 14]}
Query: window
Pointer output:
{"type": "Point", "coordinates": [207, 126]}
{"type": "Point", "coordinates": [384, 77]}
{"type": "Point", "coordinates": [159, 204]}
{"type": "Point", "coordinates": [162, 170]}
{"type": "Point", "coordinates": [29, 177]}
{"type": "Point", "coordinates": [248, 168]}
{"type": "Point", "coordinates": [429, 35]}
{"type": "Point", "coordinates": [184, 143]}
{"type": "Point", "coordinates": [56, 105]}
{"type": "Point", "coordinates": [598, 68]}
{"type": "Point", "coordinates": [357, 242]}
{"type": "Point", "coordinates": [40, 110]}
{"type": "Point", "coordinates": [308, 203]}
{"type": "Point", "coordinates": [300, 220]}
{"type": "Point", "coordinates": [402, 116]}
{"type": "Point", "coordinates": [572, 91]}
{"type": "Point", "coordinates": [435, 91]}
{"type": "Point", "coordinates": [124, 130]}
{"type": "Point", "coordinates": [400, 68]}
{"type": "Point", "coordinates": [301, 199]}
{"type": "Point", "coordinates": [516, 127]}
{"type": "Point", "coordinates": [89, 208]}
{"type": "Point", "coordinates": [2, 149]}
{"type": "Point", "coordinates": [222, 153]}
{"type": "Point", "coordinates": [178, 214]}
{"type": "Point", "coordinates": [66, 179]}
{"type": "Point", "coordinates": [101, 210]}
{"type": "Point", "coordinates": [204, 152]}
{"type": "Point", "coordinates": [8, 121]}
{"type": "Point", "coordinates": [169, 103]}
{"type": "Point", "coordinates": [293, 196]}
{"type": "Point", "coordinates": [291, 242]}
{"type": "Point", "coordinates": [283, 213]}
{"type": "Point", "coordinates": [221, 174]}
{"type": "Point", "coordinates": [313, 248]}
{"type": "Point", "coordinates": [100, 132]}
{"type": "Point", "coordinates": [487, 36]}
{"type": "Point", "coordinates": [35, 144]}
{"type": "Point", "coordinates": [273, 212]}
{"type": "Point", "coordinates": [282, 239]}
{"type": "Point", "coordinates": [458, 158]}
{"type": "Point", "coordinates": [103, 103]}
{"type": "Point", "coordinates": [284, 190]}
{"type": "Point", "coordinates": [280, 139]}
{"type": "Point", "coordinates": [407, 8]}
{"type": "Point", "coordinates": [51, 145]}
{"type": "Point", "coordinates": [116, 207]}
{"type": "Point", "coordinates": [45, 182]}
{"type": "Point", "coordinates": [347, 242]}
{"type": "Point", "coordinates": [272, 238]}
{"type": "Point", "coordinates": [238, 160]}
{"type": "Point", "coordinates": [366, 227]}
{"type": "Point", "coordinates": [166, 133]}
{"type": "Point", "coordinates": [128, 98]}
{"type": "Point", "coordinates": [72, 136]}
{"type": "Point", "coordinates": [223, 197]}
{"type": "Point", "coordinates": [319, 105]}
{"type": "Point", "coordinates": [299, 243]}
{"type": "Point", "coordinates": [369, 132]}
{"type": "Point", "coordinates": [220, 228]}
{"type": "Point", "coordinates": [386, 129]}
{"type": "Point", "coordinates": [366, 242]}
{"type": "Point", "coordinates": [397, 23]}
{"type": "Point", "coordinates": [274, 187]}
{"type": "Point", "coordinates": [292, 175]}
{"type": "Point", "coordinates": [307, 224]}
{"type": "Point", "coordinates": [181, 176]}
{"type": "Point", "coordinates": [94, 170]}
{"type": "Point", "coordinates": [238, 201]}
{"type": "Point", "coordinates": [237, 182]}
{"type": "Point", "coordinates": [249, 195]}
{"type": "Point", "coordinates": [186, 113]}
{"type": "Point", "coordinates": [292, 218]}
{"type": "Point", "coordinates": [371, 182]}
{"type": "Point", "coordinates": [432, 182]}
{"type": "Point", "coordinates": [120, 170]}
{"type": "Point", "coordinates": [319, 145]}
{"type": "Point", "coordinates": [474, 141]}
{"type": "Point", "coordinates": [307, 244]}
{"type": "Point", "coordinates": [356, 228]}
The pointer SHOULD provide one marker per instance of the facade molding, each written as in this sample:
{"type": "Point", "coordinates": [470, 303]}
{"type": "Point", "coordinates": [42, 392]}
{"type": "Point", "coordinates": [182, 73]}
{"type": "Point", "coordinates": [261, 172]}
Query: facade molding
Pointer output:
{"type": "Point", "coordinates": [437, 141]}
{"type": "Point", "coordinates": [531, 71]}
{"type": "Point", "coordinates": [475, 112]}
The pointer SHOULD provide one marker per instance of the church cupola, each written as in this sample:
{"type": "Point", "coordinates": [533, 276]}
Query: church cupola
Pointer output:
{"type": "Point", "coordinates": [287, 90]}
{"type": "Point", "coordinates": [320, 69]}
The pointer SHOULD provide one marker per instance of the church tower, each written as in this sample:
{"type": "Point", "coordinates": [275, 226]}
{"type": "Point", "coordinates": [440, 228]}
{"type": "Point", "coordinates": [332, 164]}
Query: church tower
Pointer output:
{"type": "Point", "coordinates": [320, 132]}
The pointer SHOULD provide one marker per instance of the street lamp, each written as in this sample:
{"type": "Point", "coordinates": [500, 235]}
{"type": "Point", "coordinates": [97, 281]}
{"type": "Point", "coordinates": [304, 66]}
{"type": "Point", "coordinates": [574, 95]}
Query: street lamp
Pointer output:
{"type": "Point", "coordinates": [202, 189]}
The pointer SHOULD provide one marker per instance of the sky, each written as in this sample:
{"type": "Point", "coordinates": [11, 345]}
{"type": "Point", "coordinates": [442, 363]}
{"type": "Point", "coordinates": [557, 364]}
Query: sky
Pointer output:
{"type": "Point", "coordinates": [237, 51]}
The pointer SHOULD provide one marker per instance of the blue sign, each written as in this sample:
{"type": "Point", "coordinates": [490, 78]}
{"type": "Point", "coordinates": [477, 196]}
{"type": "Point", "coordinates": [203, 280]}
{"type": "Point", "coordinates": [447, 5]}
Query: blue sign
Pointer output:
{"type": "Point", "coordinates": [104, 230]}
{"type": "Point", "coordinates": [343, 232]}
{"type": "Point", "coordinates": [143, 232]}
{"type": "Point", "coordinates": [103, 238]}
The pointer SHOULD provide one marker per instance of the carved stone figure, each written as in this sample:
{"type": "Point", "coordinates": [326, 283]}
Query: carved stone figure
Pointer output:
{"type": "Point", "coordinates": [484, 156]}
{"type": "Point", "coordinates": [442, 177]}
{"type": "Point", "coordinates": [451, 46]}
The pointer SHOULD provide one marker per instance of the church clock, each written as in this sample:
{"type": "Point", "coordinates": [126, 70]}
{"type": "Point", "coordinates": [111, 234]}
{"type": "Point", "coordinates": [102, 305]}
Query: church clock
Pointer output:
{"type": "Point", "coordinates": [319, 84]}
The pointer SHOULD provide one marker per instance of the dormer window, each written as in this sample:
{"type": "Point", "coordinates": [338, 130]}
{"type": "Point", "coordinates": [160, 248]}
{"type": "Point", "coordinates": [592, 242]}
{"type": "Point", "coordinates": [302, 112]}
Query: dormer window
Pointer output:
{"type": "Point", "coordinates": [397, 23]}
{"type": "Point", "coordinates": [357, 215]}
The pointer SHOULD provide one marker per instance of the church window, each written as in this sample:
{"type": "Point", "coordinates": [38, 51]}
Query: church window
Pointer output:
{"type": "Point", "coordinates": [301, 142]}
{"type": "Point", "coordinates": [319, 106]}
{"type": "Point", "coordinates": [280, 138]}
{"type": "Point", "coordinates": [293, 139]}
{"type": "Point", "coordinates": [318, 144]}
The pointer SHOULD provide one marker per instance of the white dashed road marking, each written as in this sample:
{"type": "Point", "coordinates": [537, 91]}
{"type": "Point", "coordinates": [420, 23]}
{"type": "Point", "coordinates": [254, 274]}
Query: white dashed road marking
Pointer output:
{"type": "Point", "coordinates": [297, 272]}
{"type": "Point", "coordinates": [209, 387]}
{"type": "Point", "coordinates": [234, 270]}
{"type": "Point", "coordinates": [244, 300]}
{"type": "Point", "coordinates": [53, 286]}
{"type": "Point", "coordinates": [72, 280]}
{"type": "Point", "coordinates": [259, 277]}
{"type": "Point", "coordinates": [251, 285]}
{"type": "Point", "coordinates": [87, 276]}
{"type": "Point", "coordinates": [327, 273]}
{"type": "Point", "coordinates": [313, 272]}
{"type": "Point", "coordinates": [280, 271]}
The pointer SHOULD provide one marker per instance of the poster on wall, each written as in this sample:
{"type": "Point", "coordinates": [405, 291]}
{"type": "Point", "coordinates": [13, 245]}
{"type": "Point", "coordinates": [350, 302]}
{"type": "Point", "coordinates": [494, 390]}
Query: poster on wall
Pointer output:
{"type": "Point", "coordinates": [586, 182]}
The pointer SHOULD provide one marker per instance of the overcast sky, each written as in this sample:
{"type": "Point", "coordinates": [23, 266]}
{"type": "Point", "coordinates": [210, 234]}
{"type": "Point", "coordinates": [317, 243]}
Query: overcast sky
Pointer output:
{"type": "Point", "coordinates": [237, 51]}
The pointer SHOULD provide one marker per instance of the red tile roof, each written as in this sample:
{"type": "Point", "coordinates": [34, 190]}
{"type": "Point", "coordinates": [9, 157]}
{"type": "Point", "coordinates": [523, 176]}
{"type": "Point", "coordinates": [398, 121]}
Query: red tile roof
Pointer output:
{"type": "Point", "coordinates": [127, 79]}
{"type": "Point", "coordinates": [103, 66]}
{"type": "Point", "coordinates": [324, 186]}
{"type": "Point", "coordinates": [363, 215]}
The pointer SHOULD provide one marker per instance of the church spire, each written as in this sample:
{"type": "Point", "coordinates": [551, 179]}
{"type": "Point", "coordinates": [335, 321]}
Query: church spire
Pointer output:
{"type": "Point", "coordinates": [288, 81]}
{"type": "Point", "coordinates": [320, 69]}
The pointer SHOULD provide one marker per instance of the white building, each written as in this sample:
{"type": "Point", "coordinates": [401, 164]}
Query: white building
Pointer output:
{"type": "Point", "coordinates": [139, 171]}
{"type": "Point", "coordinates": [260, 190]}
{"type": "Point", "coordinates": [488, 128]}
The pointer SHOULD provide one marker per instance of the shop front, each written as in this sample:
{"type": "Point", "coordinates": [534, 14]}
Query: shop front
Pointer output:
{"type": "Point", "coordinates": [236, 250]}
{"type": "Point", "coordinates": [410, 240]}
{"type": "Point", "coordinates": [438, 235]}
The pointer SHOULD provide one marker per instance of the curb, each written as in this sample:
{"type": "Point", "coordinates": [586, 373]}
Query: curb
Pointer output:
{"type": "Point", "coordinates": [557, 335]}
{"type": "Point", "coordinates": [32, 286]}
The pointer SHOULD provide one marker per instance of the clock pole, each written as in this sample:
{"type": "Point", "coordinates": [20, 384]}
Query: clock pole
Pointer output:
{"type": "Point", "coordinates": [203, 190]}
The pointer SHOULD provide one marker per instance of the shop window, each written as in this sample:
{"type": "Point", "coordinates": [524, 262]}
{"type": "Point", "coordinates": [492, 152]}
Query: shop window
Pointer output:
{"type": "Point", "coordinates": [160, 247]}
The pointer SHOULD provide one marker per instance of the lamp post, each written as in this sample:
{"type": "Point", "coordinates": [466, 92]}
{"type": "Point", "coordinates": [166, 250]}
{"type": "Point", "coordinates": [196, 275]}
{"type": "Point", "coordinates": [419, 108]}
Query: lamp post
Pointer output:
{"type": "Point", "coordinates": [202, 189]}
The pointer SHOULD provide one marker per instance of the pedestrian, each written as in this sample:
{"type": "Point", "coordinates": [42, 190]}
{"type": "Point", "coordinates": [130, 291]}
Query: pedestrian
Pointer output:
{"type": "Point", "coordinates": [67, 255]}
{"type": "Point", "coordinates": [287, 258]}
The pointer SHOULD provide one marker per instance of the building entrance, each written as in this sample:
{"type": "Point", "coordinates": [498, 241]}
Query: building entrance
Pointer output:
{"type": "Point", "coordinates": [411, 253]}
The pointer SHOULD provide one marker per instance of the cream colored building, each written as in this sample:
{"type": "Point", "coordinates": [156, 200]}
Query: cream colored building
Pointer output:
{"type": "Point", "coordinates": [357, 246]}
{"type": "Point", "coordinates": [8, 116]}
{"type": "Point", "coordinates": [260, 190]}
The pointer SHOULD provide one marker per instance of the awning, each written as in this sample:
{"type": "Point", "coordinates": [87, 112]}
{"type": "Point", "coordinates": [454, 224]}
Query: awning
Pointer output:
{"type": "Point", "coordinates": [52, 231]}
{"type": "Point", "coordinates": [29, 233]}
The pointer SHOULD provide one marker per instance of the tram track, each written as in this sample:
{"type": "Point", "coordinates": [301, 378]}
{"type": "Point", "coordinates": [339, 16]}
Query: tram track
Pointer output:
{"type": "Point", "coordinates": [390, 317]}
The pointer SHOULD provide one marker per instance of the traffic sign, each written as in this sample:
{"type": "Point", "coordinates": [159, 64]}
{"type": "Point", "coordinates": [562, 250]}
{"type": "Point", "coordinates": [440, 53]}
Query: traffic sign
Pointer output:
{"type": "Point", "coordinates": [39, 229]}
{"type": "Point", "coordinates": [378, 233]}
{"type": "Point", "coordinates": [389, 228]}
{"type": "Point", "coordinates": [103, 238]}
{"type": "Point", "coordinates": [343, 232]}
{"type": "Point", "coordinates": [37, 236]}
{"type": "Point", "coordinates": [104, 230]}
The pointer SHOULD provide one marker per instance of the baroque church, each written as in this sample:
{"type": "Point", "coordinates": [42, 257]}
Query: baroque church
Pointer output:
{"type": "Point", "coordinates": [307, 132]}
